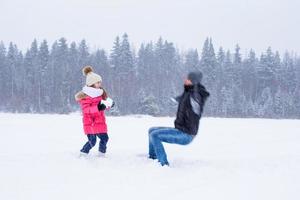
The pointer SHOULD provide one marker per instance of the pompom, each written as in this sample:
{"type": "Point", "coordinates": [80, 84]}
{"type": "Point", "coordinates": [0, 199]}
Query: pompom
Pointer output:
{"type": "Point", "coordinates": [86, 70]}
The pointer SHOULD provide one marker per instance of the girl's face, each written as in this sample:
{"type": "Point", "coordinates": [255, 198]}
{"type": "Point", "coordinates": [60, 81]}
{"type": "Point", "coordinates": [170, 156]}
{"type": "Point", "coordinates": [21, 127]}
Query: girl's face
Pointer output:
{"type": "Point", "coordinates": [97, 85]}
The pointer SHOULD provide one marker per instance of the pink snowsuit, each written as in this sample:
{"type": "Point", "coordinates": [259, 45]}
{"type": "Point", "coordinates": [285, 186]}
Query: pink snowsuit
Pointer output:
{"type": "Point", "coordinates": [94, 121]}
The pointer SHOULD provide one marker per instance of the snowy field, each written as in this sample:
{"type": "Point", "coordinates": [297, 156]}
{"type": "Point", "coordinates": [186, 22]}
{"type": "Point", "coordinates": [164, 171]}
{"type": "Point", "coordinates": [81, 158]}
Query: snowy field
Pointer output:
{"type": "Point", "coordinates": [235, 159]}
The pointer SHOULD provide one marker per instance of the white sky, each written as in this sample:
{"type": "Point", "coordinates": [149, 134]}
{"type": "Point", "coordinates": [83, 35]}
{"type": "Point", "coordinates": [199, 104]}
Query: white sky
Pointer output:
{"type": "Point", "coordinates": [253, 24]}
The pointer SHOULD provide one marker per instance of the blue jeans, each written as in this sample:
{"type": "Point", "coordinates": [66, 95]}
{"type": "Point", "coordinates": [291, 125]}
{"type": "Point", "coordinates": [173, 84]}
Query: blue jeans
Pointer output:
{"type": "Point", "coordinates": [92, 142]}
{"type": "Point", "coordinates": [157, 135]}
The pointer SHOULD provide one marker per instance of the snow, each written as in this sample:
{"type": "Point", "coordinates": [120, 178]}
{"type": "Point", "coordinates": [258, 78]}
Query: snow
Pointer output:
{"type": "Point", "coordinates": [229, 159]}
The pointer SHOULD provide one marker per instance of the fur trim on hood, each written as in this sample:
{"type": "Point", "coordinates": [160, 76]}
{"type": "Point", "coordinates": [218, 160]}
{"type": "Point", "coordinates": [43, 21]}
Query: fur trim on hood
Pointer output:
{"type": "Point", "coordinates": [80, 95]}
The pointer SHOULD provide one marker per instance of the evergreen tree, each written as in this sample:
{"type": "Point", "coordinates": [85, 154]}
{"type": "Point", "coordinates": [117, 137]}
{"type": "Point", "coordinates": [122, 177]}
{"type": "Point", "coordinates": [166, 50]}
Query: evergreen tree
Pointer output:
{"type": "Point", "coordinates": [5, 75]}
{"type": "Point", "coordinates": [148, 104]}
{"type": "Point", "coordinates": [19, 80]}
{"type": "Point", "coordinates": [237, 55]}
{"type": "Point", "coordinates": [61, 77]}
{"type": "Point", "coordinates": [279, 104]}
{"type": "Point", "coordinates": [266, 71]}
{"type": "Point", "coordinates": [221, 78]}
{"type": "Point", "coordinates": [77, 79]}
{"type": "Point", "coordinates": [192, 61]}
{"type": "Point", "coordinates": [237, 69]}
{"type": "Point", "coordinates": [227, 105]}
{"type": "Point", "coordinates": [100, 61]}
{"type": "Point", "coordinates": [44, 78]}
{"type": "Point", "coordinates": [209, 65]}
{"type": "Point", "coordinates": [158, 71]}
{"type": "Point", "coordinates": [288, 74]}
{"type": "Point", "coordinates": [83, 51]}
{"type": "Point", "coordinates": [296, 103]}
{"type": "Point", "coordinates": [12, 81]}
{"type": "Point", "coordinates": [221, 57]}
{"type": "Point", "coordinates": [265, 103]}
{"type": "Point", "coordinates": [146, 67]}
{"type": "Point", "coordinates": [126, 56]}
{"type": "Point", "coordinates": [31, 76]}
{"type": "Point", "coordinates": [249, 79]}
{"type": "Point", "coordinates": [126, 74]}
{"type": "Point", "coordinates": [116, 54]}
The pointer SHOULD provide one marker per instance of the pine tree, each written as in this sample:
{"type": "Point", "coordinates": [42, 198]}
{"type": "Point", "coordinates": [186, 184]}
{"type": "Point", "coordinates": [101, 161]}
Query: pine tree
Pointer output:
{"type": "Point", "coordinates": [126, 56]}
{"type": "Point", "coordinates": [77, 79]}
{"type": "Point", "coordinates": [221, 77]}
{"type": "Point", "coordinates": [126, 74]}
{"type": "Point", "coordinates": [279, 104]}
{"type": "Point", "coordinates": [237, 56]}
{"type": "Point", "coordinates": [277, 79]}
{"type": "Point", "coordinates": [296, 103]}
{"type": "Point", "coordinates": [237, 69]}
{"type": "Point", "coordinates": [265, 103]}
{"type": "Point", "coordinates": [31, 76]}
{"type": "Point", "coordinates": [116, 54]}
{"type": "Point", "coordinates": [266, 71]}
{"type": "Point", "coordinates": [228, 70]}
{"type": "Point", "coordinates": [11, 84]}
{"type": "Point", "coordinates": [61, 77]}
{"type": "Point", "coordinates": [19, 80]}
{"type": "Point", "coordinates": [158, 71]}
{"type": "Point", "coordinates": [297, 90]}
{"type": "Point", "coordinates": [5, 75]}
{"type": "Point", "coordinates": [147, 104]}
{"type": "Point", "coordinates": [239, 102]}
{"type": "Point", "coordinates": [44, 78]}
{"type": "Point", "coordinates": [227, 106]}
{"type": "Point", "coordinates": [288, 73]}
{"type": "Point", "coordinates": [146, 67]}
{"type": "Point", "coordinates": [100, 61]}
{"type": "Point", "coordinates": [192, 61]}
{"type": "Point", "coordinates": [208, 63]}
{"type": "Point", "coordinates": [66, 72]}
{"type": "Point", "coordinates": [221, 57]}
{"type": "Point", "coordinates": [249, 79]}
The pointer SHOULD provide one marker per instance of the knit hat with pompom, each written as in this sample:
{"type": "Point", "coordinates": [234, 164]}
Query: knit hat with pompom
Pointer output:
{"type": "Point", "coordinates": [91, 77]}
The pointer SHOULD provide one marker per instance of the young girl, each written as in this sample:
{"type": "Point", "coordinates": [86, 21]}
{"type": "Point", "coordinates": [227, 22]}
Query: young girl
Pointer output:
{"type": "Point", "coordinates": [94, 101]}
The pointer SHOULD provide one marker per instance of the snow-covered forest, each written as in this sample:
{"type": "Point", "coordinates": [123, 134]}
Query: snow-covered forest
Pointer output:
{"type": "Point", "coordinates": [45, 78]}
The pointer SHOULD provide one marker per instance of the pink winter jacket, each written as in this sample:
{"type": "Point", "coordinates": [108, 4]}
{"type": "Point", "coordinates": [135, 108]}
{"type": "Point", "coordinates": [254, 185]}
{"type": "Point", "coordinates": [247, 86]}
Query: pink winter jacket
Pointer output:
{"type": "Point", "coordinates": [94, 121]}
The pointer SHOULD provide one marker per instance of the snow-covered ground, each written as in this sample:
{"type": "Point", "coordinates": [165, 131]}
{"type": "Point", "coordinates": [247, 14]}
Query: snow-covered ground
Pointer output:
{"type": "Point", "coordinates": [235, 159]}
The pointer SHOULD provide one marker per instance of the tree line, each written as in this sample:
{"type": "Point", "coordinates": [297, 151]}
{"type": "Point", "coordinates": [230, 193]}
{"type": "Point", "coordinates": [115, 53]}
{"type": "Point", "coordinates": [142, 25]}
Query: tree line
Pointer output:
{"type": "Point", "coordinates": [44, 79]}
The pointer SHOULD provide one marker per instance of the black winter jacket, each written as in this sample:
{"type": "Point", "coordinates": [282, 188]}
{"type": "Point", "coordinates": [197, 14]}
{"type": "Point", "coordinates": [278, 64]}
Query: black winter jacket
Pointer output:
{"type": "Point", "coordinates": [190, 108]}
